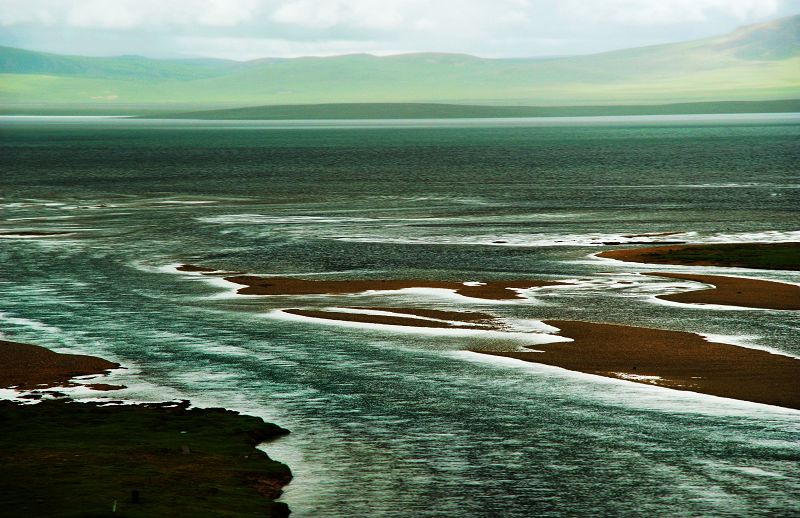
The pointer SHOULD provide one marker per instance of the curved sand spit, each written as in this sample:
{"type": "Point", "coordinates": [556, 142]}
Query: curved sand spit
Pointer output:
{"type": "Point", "coordinates": [735, 291]}
{"type": "Point", "coordinates": [673, 359]}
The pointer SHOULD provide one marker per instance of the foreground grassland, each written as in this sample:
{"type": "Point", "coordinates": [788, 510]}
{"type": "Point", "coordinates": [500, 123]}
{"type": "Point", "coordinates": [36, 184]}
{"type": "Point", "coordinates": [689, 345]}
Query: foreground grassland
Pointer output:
{"type": "Point", "coordinates": [62, 458]}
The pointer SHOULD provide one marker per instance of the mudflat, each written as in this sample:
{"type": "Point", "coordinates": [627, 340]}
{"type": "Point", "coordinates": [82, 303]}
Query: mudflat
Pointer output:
{"type": "Point", "coordinates": [446, 319]}
{"type": "Point", "coordinates": [672, 359]}
{"type": "Point", "coordinates": [30, 366]}
{"type": "Point", "coordinates": [494, 290]}
{"type": "Point", "coordinates": [735, 291]}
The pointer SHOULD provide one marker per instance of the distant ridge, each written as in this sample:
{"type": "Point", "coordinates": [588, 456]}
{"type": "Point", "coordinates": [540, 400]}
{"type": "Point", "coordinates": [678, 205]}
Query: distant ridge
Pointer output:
{"type": "Point", "coordinates": [757, 62]}
{"type": "Point", "coordinates": [452, 111]}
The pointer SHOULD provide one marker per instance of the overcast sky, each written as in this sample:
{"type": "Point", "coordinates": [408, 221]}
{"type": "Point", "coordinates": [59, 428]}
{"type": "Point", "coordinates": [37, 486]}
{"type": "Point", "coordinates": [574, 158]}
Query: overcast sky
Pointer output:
{"type": "Point", "coordinates": [247, 29]}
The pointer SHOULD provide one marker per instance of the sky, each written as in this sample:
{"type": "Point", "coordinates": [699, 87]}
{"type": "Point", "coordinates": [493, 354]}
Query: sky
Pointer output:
{"type": "Point", "coordinates": [249, 29]}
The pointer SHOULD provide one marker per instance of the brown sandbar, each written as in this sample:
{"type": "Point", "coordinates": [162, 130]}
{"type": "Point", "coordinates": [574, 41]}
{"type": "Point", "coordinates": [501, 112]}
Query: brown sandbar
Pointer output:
{"type": "Point", "coordinates": [653, 234]}
{"type": "Point", "coordinates": [735, 291]}
{"type": "Point", "coordinates": [495, 290]}
{"type": "Point", "coordinates": [29, 367]}
{"type": "Point", "coordinates": [194, 268]}
{"type": "Point", "coordinates": [342, 316]}
{"type": "Point", "coordinates": [681, 360]}
{"type": "Point", "coordinates": [459, 316]}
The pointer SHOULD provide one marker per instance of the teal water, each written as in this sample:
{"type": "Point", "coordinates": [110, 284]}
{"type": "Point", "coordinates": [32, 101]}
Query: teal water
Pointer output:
{"type": "Point", "coordinates": [399, 422]}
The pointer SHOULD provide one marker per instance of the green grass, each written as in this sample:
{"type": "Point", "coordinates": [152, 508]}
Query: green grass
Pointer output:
{"type": "Point", "coordinates": [444, 111]}
{"type": "Point", "coordinates": [77, 459]}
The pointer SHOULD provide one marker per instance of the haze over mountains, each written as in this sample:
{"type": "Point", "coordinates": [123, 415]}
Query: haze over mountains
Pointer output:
{"type": "Point", "coordinates": [757, 62]}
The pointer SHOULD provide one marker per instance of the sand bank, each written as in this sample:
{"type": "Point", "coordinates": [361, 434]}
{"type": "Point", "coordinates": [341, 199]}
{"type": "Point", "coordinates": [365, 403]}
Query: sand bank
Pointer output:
{"type": "Point", "coordinates": [735, 291]}
{"type": "Point", "coordinates": [494, 290]}
{"type": "Point", "coordinates": [460, 316]}
{"type": "Point", "coordinates": [194, 268]}
{"type": "Point", "coordinates": [673, 359]}
{"type": "Point", "coordinates": [394, 317]}
{"type": "Point", "coordinates": [770, 256]}
{"type": "Point", "coordinates": [30, 366]}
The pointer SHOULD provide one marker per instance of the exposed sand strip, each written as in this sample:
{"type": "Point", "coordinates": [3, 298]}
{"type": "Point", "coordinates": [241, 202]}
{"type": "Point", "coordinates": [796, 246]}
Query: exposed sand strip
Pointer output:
{"type": "Point", "coordinates": [391, 320]}
{"type": "Point", "coordinates": [30, 367]}
{"type": "Point", "coordinates": [673, 359]}
{"type": "Point", "coordinates": [494, 290]}
{"type": "Point", "coordinates": [459, 316]}
{"type": "Point", "coordinates": [735, 291]}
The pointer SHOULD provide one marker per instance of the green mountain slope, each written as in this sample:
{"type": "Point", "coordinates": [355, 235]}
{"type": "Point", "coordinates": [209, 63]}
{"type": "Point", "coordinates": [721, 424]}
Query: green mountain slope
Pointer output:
{"type": "Point", "coordinates": [758, 62]}
{"type": "Point", "coordinates": [460, 111]}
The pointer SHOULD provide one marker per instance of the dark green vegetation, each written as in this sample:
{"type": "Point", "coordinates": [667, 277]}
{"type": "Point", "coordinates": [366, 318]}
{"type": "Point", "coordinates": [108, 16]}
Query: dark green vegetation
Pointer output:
{"type": "Point", "coordinates": [62, 458]}
{"type": "Point", "coordinates": [453, 111]}
{"type": "Point", "coordinates": [759, 62]}
{"type": "Point", "coordinates": [769, 256]}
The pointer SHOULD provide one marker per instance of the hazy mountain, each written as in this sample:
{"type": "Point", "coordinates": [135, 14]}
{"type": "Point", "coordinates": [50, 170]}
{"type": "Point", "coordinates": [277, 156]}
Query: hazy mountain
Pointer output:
{"type": "Point", "coordinates": [757, 62]}
{"type": "Point", "coordinates": [461, 111]}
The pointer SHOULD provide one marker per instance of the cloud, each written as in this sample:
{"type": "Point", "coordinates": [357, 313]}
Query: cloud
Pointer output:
{"type": "Point", "coordinates": [662, 12]}
{"type": "Point", "coordinates": [242, 29]}
{"type": "Point", "coordinates": [357, 13]}
{"type": "Point", "coordinates": [128, 14]}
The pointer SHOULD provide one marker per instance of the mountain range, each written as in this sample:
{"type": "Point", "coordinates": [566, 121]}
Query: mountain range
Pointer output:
{"type": "Point", "coordinates": [757, 62]}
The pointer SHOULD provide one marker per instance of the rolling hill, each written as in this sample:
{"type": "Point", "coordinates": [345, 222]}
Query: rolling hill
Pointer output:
{"type": "Point", "coordinates": [758, 62]}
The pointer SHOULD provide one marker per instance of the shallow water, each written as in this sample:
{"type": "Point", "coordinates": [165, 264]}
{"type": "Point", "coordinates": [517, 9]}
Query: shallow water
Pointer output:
{"type": "Point", "coordinates": [393, 422]}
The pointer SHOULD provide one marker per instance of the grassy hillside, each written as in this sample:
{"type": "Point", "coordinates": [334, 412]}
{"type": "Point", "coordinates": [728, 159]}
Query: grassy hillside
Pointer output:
{"type": "Point", "coordinates": [759, 62]}
{"type": "Point", "coordinates": [448, 111]}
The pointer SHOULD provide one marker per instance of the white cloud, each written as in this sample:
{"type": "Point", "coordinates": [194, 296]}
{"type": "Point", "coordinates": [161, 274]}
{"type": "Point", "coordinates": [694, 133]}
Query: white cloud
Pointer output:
{"type": "Point", "coordinates": [355, 13]}
{"type": "Point", "coordinates": [127, 14]}
{"type": "Point", "coordinates": [252, 28]}
{"type": "Point", "coordinates": [660, 12]}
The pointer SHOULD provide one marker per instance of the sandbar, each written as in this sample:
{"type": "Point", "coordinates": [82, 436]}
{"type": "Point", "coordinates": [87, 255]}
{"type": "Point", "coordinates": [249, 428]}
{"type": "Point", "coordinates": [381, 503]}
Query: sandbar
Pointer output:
{"type": "Point", "coordinates": [494, 290]}
{"type": "Point", "coordinates": [672, 359]}
{"type": "Point", "coordinates": [194, 268]}
{"type": "Point", "coordinates": [28, 367]}
{"type": "Point", "coordinates": [735, 291]}
{"type": "Point", "coordinates": [770, 256]}
{"type": "Point", "coordinates": [459, 316]}
{"type": "Point", "coordinates": [448, 319]}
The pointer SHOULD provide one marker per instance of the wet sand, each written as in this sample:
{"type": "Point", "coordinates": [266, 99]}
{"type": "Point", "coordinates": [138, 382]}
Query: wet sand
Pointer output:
{"type": "Point", "coordinates": [679, 360]}
{"type": "Point", "coordinates": [771, 256]}
{"type": "Point", "coordinates": [194, 268]}
{"type": "Point", "coordinates": [459, 316]}
{"type": "Point", "coordinates": [494, 290]}
{"type": "Point", "coordinates": [29, 367]}
{"type": "Point", "coordinates": [735, 291]}
{"type": "Point", "coordinates": [455, 319]}
{"type": "Point", "coordinates": [653, 234]}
